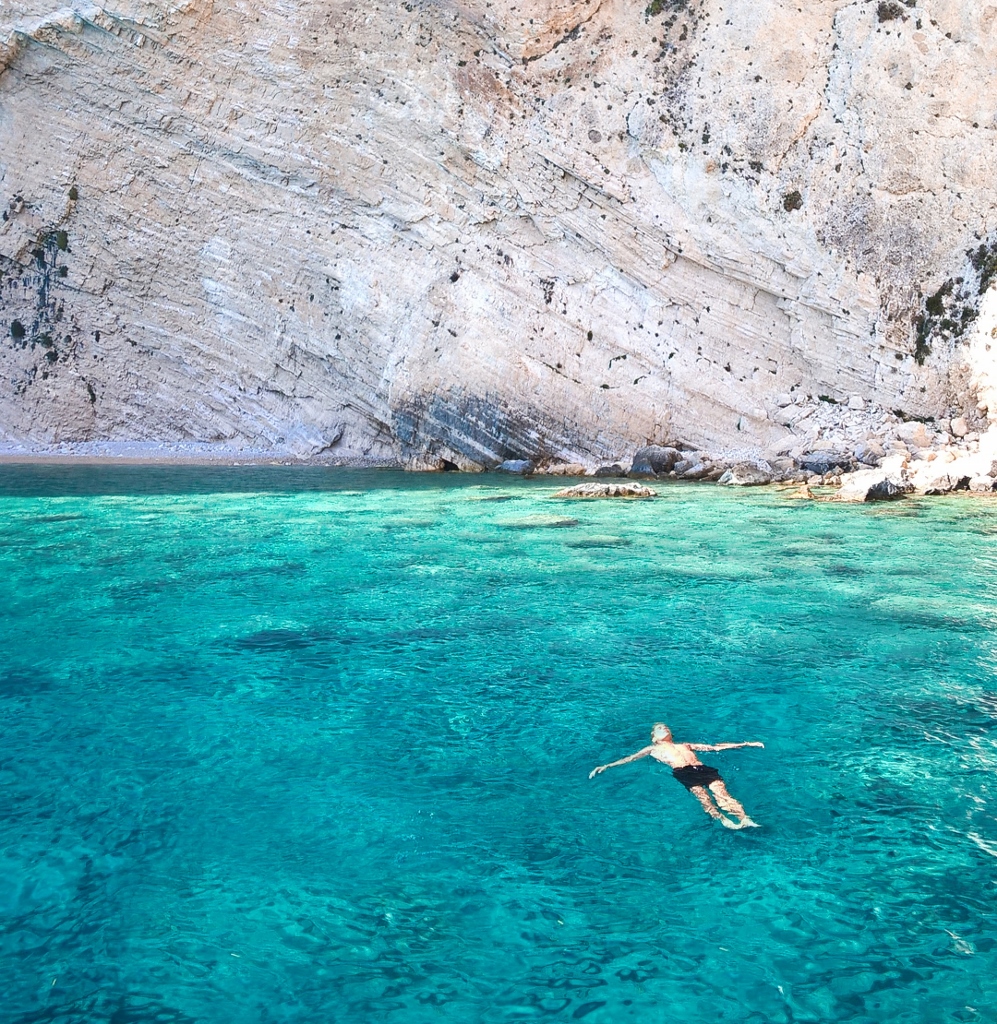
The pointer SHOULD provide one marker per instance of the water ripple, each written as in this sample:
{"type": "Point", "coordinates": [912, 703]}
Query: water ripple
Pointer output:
{"type": "Point", "coordinates": [319, 751]}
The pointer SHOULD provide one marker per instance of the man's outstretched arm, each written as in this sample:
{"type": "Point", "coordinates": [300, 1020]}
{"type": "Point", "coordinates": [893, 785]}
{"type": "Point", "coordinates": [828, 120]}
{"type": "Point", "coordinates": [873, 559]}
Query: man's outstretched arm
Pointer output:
{"type": "Point", "coordinates": [723, 746]}
{"type": "Point", "coordinates": [623, 760]}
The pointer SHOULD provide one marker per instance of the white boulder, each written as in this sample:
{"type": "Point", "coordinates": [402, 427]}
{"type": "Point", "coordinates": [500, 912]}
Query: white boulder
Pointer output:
{"type": "Point", "coordinates": [914, 433]}
{"type": "Point", "coordinates": [748, 474]}
{"type": "Point", "coordinates": [873, 485]}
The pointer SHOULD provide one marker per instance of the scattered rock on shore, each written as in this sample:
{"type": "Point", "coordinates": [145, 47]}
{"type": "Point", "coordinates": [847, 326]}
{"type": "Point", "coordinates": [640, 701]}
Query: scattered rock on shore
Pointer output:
{"type": "Point", "coordinates": [627, 490]}
{"type": "Point", "coordinates": [654, 460]}
{"type": "Point", "coordinates": [697, 467]}
{"type": "Point", "coordinates": [874, 485]}
{"type": "Point", "coordinates": [877, 468]}
{"type": "Point", "coordinates": [519, 467]}
{"type": "Point", "coordinates": [938, 477]}
{"type": "Point", "coordinates": [947, 472]}
{"type": "Point", "coordinates": [869, 453]}
{"type": "Point", "coordinates": [821, 462]}
{"type": "Point", "coordinates": [748, 474]}
{"type": "Point", "coordinates": [914, 434]}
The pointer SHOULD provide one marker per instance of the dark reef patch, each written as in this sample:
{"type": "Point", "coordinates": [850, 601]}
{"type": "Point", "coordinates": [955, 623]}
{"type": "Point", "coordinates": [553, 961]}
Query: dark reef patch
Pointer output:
{"type": "Point", "coordinates": [23, 682]}
{"type": "Point", "coordinates": [276, 641]}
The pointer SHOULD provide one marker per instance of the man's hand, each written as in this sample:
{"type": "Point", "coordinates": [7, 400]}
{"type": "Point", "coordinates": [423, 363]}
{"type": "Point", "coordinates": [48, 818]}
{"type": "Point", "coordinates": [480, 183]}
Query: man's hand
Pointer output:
{"type": "Point", "coordinates": [762, 745]}
{"type": "Point", "coordinates": [598, 771]}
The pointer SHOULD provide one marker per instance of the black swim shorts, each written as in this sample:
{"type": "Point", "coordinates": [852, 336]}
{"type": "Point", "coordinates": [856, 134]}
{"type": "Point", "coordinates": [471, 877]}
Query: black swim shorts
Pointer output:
{"type": "Point", "coordinates": [696, 775]}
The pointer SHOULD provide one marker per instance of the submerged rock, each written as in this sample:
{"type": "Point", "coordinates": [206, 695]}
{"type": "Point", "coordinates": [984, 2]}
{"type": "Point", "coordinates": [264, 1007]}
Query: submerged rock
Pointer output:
{"type": "Point", "coordinates": [600, 542]}
{"type": "Point", "coordinates": [748, 474]}
{"type": "Point", "coordinates": [873, 485]}
{"type": "Point", "coordinates": [539, 522]}
{"type": "Point", "coordinates": [628, 490]}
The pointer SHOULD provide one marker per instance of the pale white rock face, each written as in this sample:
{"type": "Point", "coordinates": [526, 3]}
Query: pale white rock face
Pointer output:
{"type": "Point", "coordinates": [873, 485]}
{"type": "Point", "coordinates": [547, 230]}
{"type": "Point", "coordinates": [915, 434]}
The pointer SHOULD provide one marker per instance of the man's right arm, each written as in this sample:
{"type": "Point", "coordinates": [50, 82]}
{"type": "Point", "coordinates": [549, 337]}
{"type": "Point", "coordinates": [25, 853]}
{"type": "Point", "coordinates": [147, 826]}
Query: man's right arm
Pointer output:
{"type": "Point", "coordinates": [623, 760]}
{"type": "Point", "coordinates": [722, 746]}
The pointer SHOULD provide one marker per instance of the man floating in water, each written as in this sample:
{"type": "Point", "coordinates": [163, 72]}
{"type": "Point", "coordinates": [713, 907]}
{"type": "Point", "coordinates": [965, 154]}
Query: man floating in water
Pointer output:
{"type": "Point", "coordinates": [700, 779]}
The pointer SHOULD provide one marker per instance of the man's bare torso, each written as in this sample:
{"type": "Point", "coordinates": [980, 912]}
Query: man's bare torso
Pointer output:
{"type": "Point", "coordinates": [675, 755]}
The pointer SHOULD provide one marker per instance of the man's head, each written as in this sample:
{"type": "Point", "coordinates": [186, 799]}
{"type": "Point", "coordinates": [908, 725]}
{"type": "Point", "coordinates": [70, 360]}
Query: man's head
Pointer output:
{"type": "Point", "coordinates": [661, 733]}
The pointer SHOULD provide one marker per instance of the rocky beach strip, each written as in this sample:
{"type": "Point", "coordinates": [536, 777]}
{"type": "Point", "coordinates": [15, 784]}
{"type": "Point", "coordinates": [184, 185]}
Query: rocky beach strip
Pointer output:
{"type": "Point", "coordinates": [869, 453]}
{"type": "Point", "coordinates": [909, 457]}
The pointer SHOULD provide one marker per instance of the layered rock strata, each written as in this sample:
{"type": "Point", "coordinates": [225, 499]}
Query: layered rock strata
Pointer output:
{"type": "Point", "coordinates": [451, 235]}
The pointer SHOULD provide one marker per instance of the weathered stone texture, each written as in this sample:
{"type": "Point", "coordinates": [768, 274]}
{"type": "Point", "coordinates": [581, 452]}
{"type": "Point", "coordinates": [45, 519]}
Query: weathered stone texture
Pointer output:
{"type": "Point", "coordinates": [549, 230]}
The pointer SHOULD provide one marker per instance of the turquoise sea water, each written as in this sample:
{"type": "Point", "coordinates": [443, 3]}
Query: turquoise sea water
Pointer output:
{"type": "Point", "coordinates": [284, 746]}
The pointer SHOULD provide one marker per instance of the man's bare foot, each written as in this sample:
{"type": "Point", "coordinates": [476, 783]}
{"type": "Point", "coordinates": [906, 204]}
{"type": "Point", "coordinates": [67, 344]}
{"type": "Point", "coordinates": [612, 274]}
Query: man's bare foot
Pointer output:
{"type": "Point", "coordinates": [745, 822]}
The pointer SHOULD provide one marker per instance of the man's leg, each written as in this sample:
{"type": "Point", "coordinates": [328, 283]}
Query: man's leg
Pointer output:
{"type": "Point", "coordinates": [707, 804]}
{"type": "Point", "coordinates": [729, 804]}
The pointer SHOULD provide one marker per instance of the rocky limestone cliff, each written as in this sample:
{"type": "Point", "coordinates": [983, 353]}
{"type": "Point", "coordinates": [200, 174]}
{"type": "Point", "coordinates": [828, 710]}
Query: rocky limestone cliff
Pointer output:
{"type": "Point", "coordinates": [472, 232]}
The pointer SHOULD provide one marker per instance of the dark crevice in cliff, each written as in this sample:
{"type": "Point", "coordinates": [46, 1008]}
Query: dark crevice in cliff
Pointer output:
{"type": "Point", "coordinates": [569, 37]}
{"type": "Point", "coordinates": [948, 313]}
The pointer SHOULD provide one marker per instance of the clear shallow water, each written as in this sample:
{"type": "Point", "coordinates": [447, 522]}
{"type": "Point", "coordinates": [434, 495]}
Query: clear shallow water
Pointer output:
{"type": "Point", "coordinates": [312, 746]}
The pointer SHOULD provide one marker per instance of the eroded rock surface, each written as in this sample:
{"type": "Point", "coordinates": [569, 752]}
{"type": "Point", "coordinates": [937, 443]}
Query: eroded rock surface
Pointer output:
{"type": "Point", "coordinates": [453, 236]}
{"type": "Point", "coordinates": [627, 490]}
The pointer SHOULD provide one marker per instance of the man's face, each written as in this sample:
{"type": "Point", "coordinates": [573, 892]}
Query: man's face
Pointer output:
{"type": "Point", "coordinates": [661, 734]}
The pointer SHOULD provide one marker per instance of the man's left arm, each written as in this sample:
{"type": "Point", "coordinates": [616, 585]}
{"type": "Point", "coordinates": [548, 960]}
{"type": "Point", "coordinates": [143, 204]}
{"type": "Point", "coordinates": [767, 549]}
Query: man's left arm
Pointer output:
{"type": "Point", "coordinates": [723, 746]}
